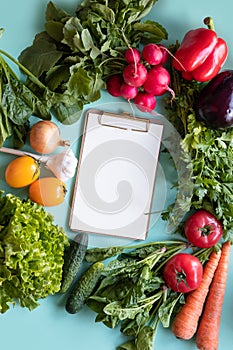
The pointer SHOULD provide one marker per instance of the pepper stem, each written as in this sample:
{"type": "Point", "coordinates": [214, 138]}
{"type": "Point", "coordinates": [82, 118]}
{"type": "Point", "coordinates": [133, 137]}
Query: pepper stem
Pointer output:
{"type": "Point", "coordinates": [209, 22]}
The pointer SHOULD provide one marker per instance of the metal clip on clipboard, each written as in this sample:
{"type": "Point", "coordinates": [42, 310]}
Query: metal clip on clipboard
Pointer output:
{"type": "Point", "coordinates": [127, 117]}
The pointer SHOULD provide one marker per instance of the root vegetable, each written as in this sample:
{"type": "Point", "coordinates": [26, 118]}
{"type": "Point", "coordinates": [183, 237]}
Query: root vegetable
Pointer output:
{"type": "Point", "coordinates": [152, 54]}
{"type": "Point", "coordinates": [145, 102]}
{"type": "Point", "coordinates": [132, 55]}
{"type": "Point", "coordinates": [45, 137]}
{"type": "Point", "coordinates": [135, 74]}
{"type": "Point", "coordinates": [113, 85]}
{"type": "Point", "coordinates": [208, 329]}
{"type": "Point", "coordinates": [128, 92]}
{"type": "Point", "coordinates": [158, 81]}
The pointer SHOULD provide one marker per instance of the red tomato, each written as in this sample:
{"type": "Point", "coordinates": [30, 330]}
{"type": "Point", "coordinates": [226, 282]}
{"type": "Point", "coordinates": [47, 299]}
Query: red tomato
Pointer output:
{"type": "Point", "coordinates": [203, 229]}
{"type": "Point", "coordinates": [183, 272]}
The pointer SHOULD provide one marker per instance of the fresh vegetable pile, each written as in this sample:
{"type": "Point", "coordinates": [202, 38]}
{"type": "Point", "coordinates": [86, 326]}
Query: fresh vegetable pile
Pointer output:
{"type": "Point", "coordinates": [178, 283]}
{"type": "Point", "coordinates": [147, 284]}
{"type": "Point", "coordinates": [31, 253]}
{"type": "Point", "coordinates": [76, 54]}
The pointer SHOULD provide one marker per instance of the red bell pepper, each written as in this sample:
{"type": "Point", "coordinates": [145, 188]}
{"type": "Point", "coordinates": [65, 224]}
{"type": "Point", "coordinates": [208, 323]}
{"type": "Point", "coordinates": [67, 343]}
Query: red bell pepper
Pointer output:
{"type": "Point", "coordinates": [201, 54]}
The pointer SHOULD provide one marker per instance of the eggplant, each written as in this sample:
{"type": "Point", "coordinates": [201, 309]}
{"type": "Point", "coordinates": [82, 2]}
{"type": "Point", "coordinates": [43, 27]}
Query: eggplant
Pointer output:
{"type": "Point", "coordinates": [214, 105]}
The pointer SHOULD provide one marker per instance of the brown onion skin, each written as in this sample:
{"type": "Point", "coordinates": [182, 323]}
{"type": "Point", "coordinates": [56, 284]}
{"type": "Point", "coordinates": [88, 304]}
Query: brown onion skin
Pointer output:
{"type": "Point", "coordinates": [214, 105]}
{"type": "Point", "coordinates": [45, 137]}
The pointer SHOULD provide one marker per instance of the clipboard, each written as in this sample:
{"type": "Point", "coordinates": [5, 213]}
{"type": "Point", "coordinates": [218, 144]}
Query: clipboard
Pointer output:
{"type": "Point", "coordinates": [116, 175]}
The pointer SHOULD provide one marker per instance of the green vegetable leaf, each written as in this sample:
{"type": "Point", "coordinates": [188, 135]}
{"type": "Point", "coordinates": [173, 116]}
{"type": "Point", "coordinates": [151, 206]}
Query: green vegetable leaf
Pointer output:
{"type": "Point", "coordinates": [32, 250]}
{"type": "Point", "coordinates": [129, 345]}
{"type": "Point", "coordinates": [40, 57]}
{"type": "Point", "coordinates": [145, 338]}
{"type": "Point", "coordinates": [167, 308]}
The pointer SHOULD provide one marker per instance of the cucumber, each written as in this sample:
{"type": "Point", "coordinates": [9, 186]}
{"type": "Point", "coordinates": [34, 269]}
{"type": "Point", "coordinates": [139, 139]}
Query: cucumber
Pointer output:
{"type": "Point", "coordinates": [73, 259]}
{"type": "Point", "coordinates": [83, 288]}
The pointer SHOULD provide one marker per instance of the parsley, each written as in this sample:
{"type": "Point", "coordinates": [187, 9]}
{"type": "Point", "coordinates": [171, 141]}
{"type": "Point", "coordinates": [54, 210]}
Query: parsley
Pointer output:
{"type": "Point", "coordinates": [210, 152]}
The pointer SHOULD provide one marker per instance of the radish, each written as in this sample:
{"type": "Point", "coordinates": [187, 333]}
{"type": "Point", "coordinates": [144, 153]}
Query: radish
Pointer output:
{"type": "Point", "coordinates": [145, 102]}
{"type": "Point", "coordinates": [152, 54]}
{"type": "Point", "coordinates": [128, 92]}
{"type": "Point", "coordinates": [165, 52]}
{"type": "Point", "coordinates": [135, 74]}
{"type": "Point", "coordinates": [113, 84]}
{"type": "Point", "coordinates": [132, 55]}
{"type": "Point", "coordinates": [158, 81]}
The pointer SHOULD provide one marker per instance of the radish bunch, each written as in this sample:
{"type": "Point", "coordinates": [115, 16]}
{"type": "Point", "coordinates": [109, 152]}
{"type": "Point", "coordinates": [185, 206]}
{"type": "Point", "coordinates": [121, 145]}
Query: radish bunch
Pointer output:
{"type": "Point", "coordinates": [143, 78]}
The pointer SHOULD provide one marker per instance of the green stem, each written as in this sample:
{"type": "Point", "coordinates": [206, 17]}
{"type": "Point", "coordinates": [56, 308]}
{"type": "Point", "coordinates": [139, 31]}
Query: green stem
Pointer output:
{"type": "Point", "coordinates": [209, 22]}
{"type": "Point", "coordinates": [24, 69]}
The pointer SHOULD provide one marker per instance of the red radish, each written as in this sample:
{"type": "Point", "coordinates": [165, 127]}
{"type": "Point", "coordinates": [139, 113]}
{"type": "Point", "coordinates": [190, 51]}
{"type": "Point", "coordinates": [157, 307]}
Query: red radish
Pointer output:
{"type": "Point", "coordinates": [165, 52]}
{"type": "Point", "coordinates": [132, 55]}
{"type": "Point", "coordinates": [113, 84]}
{"type": "Point", "coordinates": [152, 54]}
{"type": "Point", "coordinates": [158, 81]}
{"type": "Point", "coordinates": [135, 74]}
{"type": "Point", "coordinates": [145, 102]}
{"type": "Point", "coordinates": [128, 92]}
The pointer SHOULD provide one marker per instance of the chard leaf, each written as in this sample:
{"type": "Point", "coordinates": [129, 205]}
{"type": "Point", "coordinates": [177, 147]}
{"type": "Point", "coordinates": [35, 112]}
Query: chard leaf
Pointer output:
{"type": "Point", "coordinates": [72, 34]}
{"type": "Point", "coordinates": [66, 112]}
{"type": "Point", "coordinates": [105, 12]}
{"type": "Point", "coordinates": [167, 308]}
{"type": "Point", "coordinates": [153, 28]}
{"type": "Point", "coordinates": [14, 106]}
{"type": "Point", "coordinates": [40, 57]}
{"type": "Point", "coordinates": [54, 13]}
{"type": "Point", "coordinates": [129, 345]}
{"type": "Point", "coordinates": [55, 30]}
{"type": "Point", "coordinates": [116, 309]}
{"type": "Point", "coordinates": [57, 76]}
{"type": "Point", "coordinates": [145, 338]}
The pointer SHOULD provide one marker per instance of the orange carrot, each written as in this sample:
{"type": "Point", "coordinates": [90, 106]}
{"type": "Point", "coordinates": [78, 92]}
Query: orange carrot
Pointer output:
{"type": "Point", "coordinates": [208, 329]}
{"type": "Point", "coordinates": [186, 321]}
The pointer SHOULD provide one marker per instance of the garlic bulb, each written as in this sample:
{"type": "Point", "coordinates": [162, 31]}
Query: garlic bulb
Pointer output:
{"type": "Point", "coordinates": [63, 164]}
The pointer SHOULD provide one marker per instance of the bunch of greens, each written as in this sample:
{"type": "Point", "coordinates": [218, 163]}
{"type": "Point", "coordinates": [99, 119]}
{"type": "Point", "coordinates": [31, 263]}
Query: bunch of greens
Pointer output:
{"type": "Point", "coordinates": [75, 54]}
{"type": "Point", "coordinates": [19, 100]}
{"type": "Point", "coordinates": [132, 293]}
{"type": "Point", "coordinates": [31, 253]}
{"type": "Point", "coordinates": [210, 152]}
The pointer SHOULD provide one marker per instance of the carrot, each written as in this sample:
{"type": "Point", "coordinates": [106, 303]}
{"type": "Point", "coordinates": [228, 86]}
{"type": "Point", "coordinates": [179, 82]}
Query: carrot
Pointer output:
{"type": "Point", "coordinates": [185, 323]}
{"type": "Point", "coordinates": [208, 329]}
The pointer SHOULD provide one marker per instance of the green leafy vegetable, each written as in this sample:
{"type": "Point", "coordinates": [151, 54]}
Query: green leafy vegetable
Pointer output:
{"type": "Point", "coordinates": [31, 253]}
{"type": "Point", "coordinates": [75, 55]}
{"type": "Point", "coordinates": [211, 155]}
{"type": "Point", "coordinates": [131, 291]}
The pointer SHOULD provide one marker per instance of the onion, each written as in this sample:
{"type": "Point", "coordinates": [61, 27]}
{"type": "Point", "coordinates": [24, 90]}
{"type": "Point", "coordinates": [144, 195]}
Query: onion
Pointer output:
{"type": "Point", "coordinates": [45, 137]}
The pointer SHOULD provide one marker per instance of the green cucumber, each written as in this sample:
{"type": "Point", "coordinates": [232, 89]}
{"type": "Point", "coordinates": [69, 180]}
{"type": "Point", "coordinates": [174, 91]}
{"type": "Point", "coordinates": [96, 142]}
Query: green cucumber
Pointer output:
{"type": "Point", "coordinates": [83, 287]}
{"type": "Point", "coordinates": [73, 259]}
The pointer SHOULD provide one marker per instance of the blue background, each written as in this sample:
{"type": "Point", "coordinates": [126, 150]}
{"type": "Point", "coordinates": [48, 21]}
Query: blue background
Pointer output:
{"type": "Point", "coordinates": [49, 326]}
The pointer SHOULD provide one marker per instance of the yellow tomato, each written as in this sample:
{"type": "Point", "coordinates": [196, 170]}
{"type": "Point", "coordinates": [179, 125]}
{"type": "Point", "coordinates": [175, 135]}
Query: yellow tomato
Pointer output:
{"type": "Point", "coordinates": [22, 171]}
{"type": "Point", "coordinates": [47, 191]}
